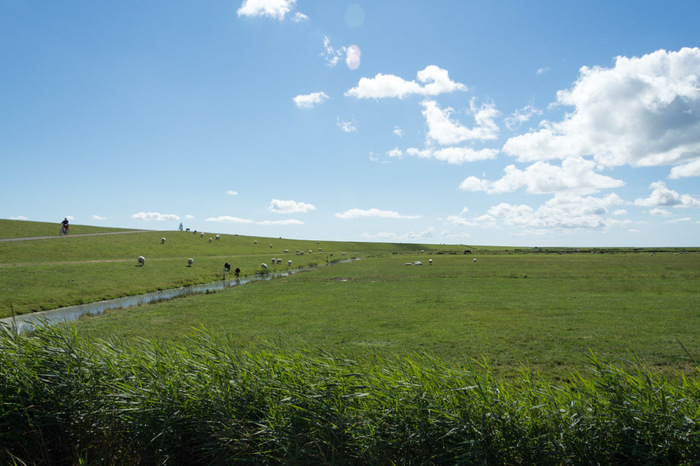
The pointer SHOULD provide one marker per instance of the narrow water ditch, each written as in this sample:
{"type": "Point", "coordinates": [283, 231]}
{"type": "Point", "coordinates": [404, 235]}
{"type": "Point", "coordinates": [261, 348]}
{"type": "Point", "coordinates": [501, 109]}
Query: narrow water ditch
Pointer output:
{"type": "Point", "coordinates": [27, 322]}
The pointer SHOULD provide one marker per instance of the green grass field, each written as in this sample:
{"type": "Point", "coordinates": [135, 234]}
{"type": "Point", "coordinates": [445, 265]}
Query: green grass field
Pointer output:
{"type": "Point", "coordinates": [548, 356]}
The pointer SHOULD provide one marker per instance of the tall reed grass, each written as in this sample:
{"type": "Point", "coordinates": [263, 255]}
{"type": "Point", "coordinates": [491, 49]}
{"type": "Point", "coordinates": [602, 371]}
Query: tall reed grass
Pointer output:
{"type": "Point", "coordinates": [67, 400]}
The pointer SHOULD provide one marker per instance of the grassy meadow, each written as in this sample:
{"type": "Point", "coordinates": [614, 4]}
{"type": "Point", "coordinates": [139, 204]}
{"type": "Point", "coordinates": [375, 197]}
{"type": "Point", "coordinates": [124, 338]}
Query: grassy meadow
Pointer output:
{"type": "Point", "coordinates": [505, 356]}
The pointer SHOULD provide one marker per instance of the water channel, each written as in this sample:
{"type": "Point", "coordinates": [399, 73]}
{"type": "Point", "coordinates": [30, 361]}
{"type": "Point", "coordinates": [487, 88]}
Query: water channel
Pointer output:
{"type": "Point", "coordinates": [27, 322]}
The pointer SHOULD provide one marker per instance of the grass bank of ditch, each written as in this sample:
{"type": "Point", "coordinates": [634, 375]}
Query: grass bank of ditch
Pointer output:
{"type": "Point", "coordinates": [68, 400]}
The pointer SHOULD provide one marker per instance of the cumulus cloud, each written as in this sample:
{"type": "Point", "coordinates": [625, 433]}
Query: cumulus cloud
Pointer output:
{"type": "Point", "coordinates": [432, 81]}
{"type": "Point", "coordinates": [227, 219]}
{"type": "Point", "coordinates": [290, 221]}
{"type": "Point", "coordinates": [310, 100]}
{"type": "Point", "coordinates": [98, 217]}
{"type": "Point", "coordinates": [661, 196]}
{"type": "Point", "coordinates": [346, 126]}
{"type": "Point", "coordinates": [154, 216]}
{"type": "Point", "coordinates": [645, 111]}
{"type": "Point", "coordinates": [443, 130]}
{"type": "Point", "coordinates": [290, 207]}
{"type": "Point", "coordinates": [686, 170]}
{"type": "Point", "coordinates": [231, 192]}
{"type": "Point", "coordinates": [398, 131]}
{"type": "Point", "coordinates": [454, 155]}
{"type": "Point", "coordinates": [520, 117]}
{"type": "Point", "coordinates": [330, 54]}
{"type": "Point", "coordinates": [276, 9]}
{"type": "Point", "coordinates": [562, 212]}
{"type": "Point", "coordinates": [362, 213]}
{"type": "Point", "coordinates": [575, 175]}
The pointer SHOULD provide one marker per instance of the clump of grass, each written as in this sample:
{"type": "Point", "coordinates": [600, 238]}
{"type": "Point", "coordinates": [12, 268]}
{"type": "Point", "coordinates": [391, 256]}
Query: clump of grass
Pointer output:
{"type": "Point", "coordinates": [65, 399]}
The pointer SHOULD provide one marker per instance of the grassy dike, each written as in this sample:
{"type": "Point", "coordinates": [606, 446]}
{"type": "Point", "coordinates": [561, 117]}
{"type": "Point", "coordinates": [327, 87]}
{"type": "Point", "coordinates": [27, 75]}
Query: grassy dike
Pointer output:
{"type": "Point", "coordinates": [523, 357]}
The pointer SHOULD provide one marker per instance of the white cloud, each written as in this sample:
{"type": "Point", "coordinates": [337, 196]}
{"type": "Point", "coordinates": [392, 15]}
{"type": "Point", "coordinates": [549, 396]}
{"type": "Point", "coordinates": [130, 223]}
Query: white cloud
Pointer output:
{"type": "Point", "coordinates": [562, 212]}
{"type": "Point", "coordinates": [459, 220]}
{"type": "Point", "coordinates": [620, 212]}
{"type": "Point", "coordinates": [659, 212]}
{"type": "Point", "coordinates": [310, 100]}
{"type": "Point", "coordinates": [576, 175]}
{"type": "Point", "coordinates": [154, 216]}
{"type": "Point", "coordinates": [19, 217]}
{"type": "Point", "coordinates": [434, 79]}
{"type": "Point", "coordinates": [454, 155]}
{"type": "Point", "coordinates": [299, 17]}
{"type": "Point", "coordinates": [346, 126]}
{"type": "Point", "coordinates": [679, 220]}
{"type": "Point", "coordinates": [521, 116]}
{"type": "Point", "coordinates": [330, 54]}
{"type": "Point", "coordinates": [443, 130]}
{"type": "Point", "coordinates": [227, 219]}
{"type": "Point", "coordinates": [361, 213]}
{"type": "Point", "coordinates": [398, 131]}
{"type": "Point", "coordinates": [686, 170]}
{"type": "Point", "coordinates": [231, 192]}
{"type": "Point", "coordinates": [189, 217]}
{"type": "Point", "coordinates": [410, 236]}
{"type": "Point", "coordinates": [276, 9]}
{"type": "Point", "coordinates": [97, 217]}
{"type": "Point", "coordinates": [290, 221]}
{"type": "Point", "coordinates": [661, 196]}
{"type": "Point", "coordinates": [290, 207]}
{"type": "Point", "coordinates": [395, 153]}
{"type": "Point", "coordinates": [645, 111]}
{"type": "Point", "coordinates": [542, 70]}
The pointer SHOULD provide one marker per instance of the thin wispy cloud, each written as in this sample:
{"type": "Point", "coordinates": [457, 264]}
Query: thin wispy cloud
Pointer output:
{"type": "Point", "coordinates": [373, 213]}
{"type": "Point", "coordinates": [154, 216]}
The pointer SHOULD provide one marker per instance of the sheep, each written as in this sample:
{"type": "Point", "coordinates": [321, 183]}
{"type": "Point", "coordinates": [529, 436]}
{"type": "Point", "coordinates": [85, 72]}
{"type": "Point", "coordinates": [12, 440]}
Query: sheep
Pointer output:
{"type": "Point", "coordinates": [270, 245]}
{"type": "Point", "coordinates": [417, 263]}
{"type": "Point", "coordinates": [430, 261]}
{"type": "Point", "coordinates": [255, 242]}
{"type": "Point", "coordinates": [319, 249]}
{"type": "Point", "coordinates": [210, 240]}
{"type": "Point", "coordinates": [289, 263]}
{"type": "Point", "coordinates": [422, 251]}
{"type": "Point", "coordinates": [310, 251]}
{"type": "Point", "coordinates": [279, 261]}
{"type": "Point", "coordinates": [141, 260]}
{"type": "Point", "coordinates": [408, 263]}
{"type": "Point", "coordinates": [273, 260]}
{"type": "Point", "coordinates": [190, 261]}
{"type": "Point", "coordinates": [162, 241]}
{"type": "Point", "coordinates": [286, 251]}
{"type": "Point", "coordinates": [263, 265]}
{"type": "Point", "coordinates": [201, 235]}
{"type": "Point", "coordinates": [218, 236]}
{"type": "Point", "coordinates": [475, 261]}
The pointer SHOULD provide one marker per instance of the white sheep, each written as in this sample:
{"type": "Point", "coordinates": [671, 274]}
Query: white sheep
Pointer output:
{"type": "Point", "coordinates": [430, 261]}
{"type": "Point", "coordinates": [210, 240]}
{"type": "Point", "coordinates": [408, 263]}
{"type": "Point", "coordinates": [141, 260]}
{"type": "Point", "coordinates": [263, 265]}
{"type": "Point", "coordinates": [279, 261]}
{"type": "Point", "coordinates": [255, 242]}
{"type": "Point", "coordinates": [417, 263]}
{"type": "Point", "coordinates": [273, 260]}
{"type": "Point", "coordinates": [190, 261]}
{"type": "Point", "coordinates": [289, 263]}
{"type": "Point", "coordinates": [286, 251]}
{"type": "Point", "coordinates": [474, 260]}
{"type": "Point", "coordinates": [218, 236]}
{"type": "Point", "coordinates": [201, 235]}
{"type": "Point", "coordinates": [162, 241]}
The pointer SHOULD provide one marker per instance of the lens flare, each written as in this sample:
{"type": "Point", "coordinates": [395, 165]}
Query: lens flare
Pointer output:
{"type": "Point", "coordinates": [352, 57]}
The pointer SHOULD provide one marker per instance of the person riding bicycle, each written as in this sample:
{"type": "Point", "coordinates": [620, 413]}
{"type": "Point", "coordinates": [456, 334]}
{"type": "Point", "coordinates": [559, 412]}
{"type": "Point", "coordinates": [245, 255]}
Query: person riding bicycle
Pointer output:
{"type": "Point", "coordinates": [64, 225]}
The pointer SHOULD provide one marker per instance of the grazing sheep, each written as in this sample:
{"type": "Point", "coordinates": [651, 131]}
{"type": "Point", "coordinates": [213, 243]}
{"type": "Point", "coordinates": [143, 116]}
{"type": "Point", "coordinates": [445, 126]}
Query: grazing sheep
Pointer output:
{"type": "Point", "coordinates": [141, 260]}
{"type": "Point", "coordinates": [319, 249]}
{"type": "Point", "coordinates": [190, 261]}
{"type": "Point", "coordinates": [279, 261]}
{"type": "Point", "coordinates": [286, 251]}
{"type": "Point", "coordinates": [263, 265]}
{"type": "Point", "coordinates": [218, 236]}
{"type": "Point", "coordinates": [422, 251]}
{"type": "Point", "coordinates": [162, 241]}
{"type": "Point", "coordinates": [255, 242]}
{"type": "Point", "coordinates": [270, 245]}
{"type": "Point", "coordinates": [408, 263]}
{"type": "Point", "coordinates": [474, 260]}
{"type": "Point", "coordinates": [289, 263]}
{"type": "Point", "coordinates": [273, 260]}
{"type": "Point", "coordinates": [201, 235]}
{"type": "Point", "coordinates": [417, 263]}
{"type": "Point", "coordinates": [210, 240]}
{"type": "Point", "coordinates": [310, 251]}
{"type": "Point", "coordinates": [430, 261]}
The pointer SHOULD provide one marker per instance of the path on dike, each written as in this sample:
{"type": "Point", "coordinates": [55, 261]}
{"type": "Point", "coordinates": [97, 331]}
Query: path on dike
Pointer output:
{"type": "Point", "coordinates": [73, 236]}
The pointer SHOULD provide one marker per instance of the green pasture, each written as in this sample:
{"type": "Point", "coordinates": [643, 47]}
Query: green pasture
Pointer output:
{"type": "Point", "coordinates": [42, 274]}
{"type": "Point", "coordinates": [548, 312]}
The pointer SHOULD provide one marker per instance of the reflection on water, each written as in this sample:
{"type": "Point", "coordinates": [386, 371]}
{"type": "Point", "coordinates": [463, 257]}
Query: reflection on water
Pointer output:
{"type": "Point", "coordinates": [27, 322]}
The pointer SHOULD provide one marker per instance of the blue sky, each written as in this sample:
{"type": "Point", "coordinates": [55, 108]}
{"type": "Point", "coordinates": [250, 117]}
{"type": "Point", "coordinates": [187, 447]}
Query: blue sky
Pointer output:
{"type": "Point", "coordinates": [515, 123]}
